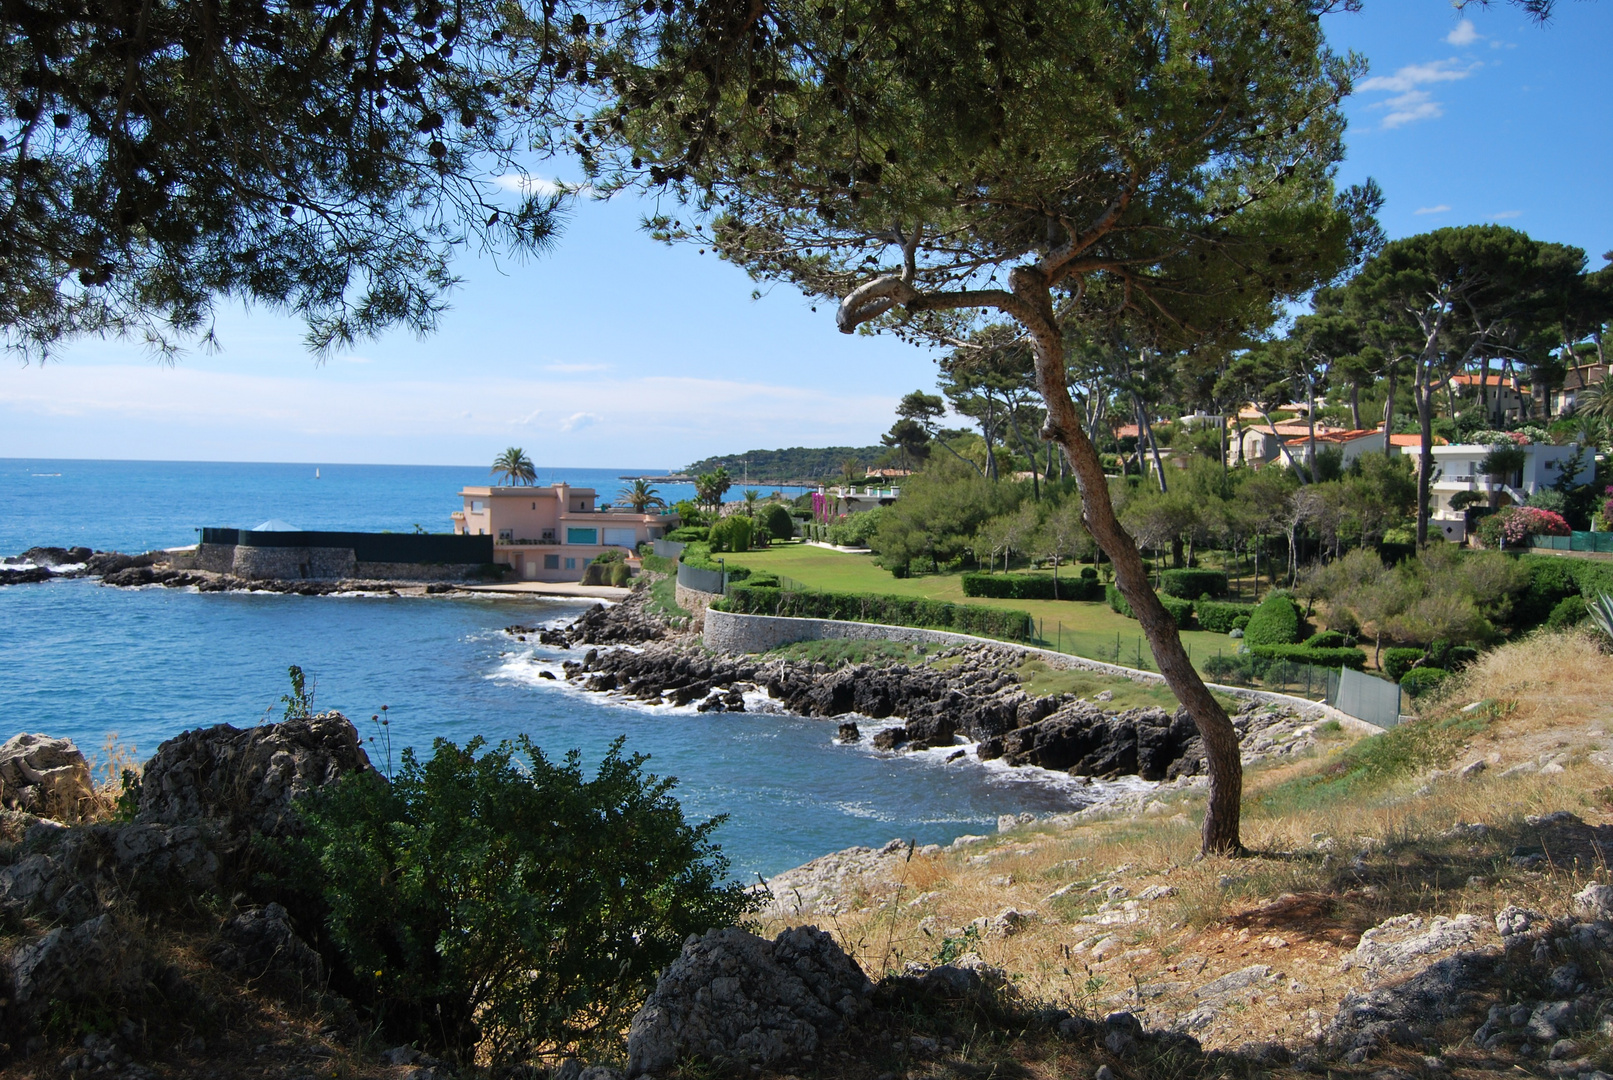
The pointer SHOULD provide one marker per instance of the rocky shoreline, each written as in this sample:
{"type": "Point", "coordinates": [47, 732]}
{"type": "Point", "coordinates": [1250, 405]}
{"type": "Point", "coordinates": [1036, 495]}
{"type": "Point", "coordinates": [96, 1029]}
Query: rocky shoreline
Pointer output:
{"type": "Point", "coordinates": [41, 564]}
{"type": "Point", "coordinates": [968, 697]}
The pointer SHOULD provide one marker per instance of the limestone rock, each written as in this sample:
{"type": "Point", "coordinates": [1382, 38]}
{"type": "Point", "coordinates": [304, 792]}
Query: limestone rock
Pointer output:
{"type": "Point", "coordinates": [44, 776]}
{"type": "Point", "coordinates": [246, 780]}
{"type": "Point", "coordinates": [70, 964]}
{"type": "Point", "coordinates": [732, 996]}
{"type": "Point", "coordinates": [72, 869]}
{"type": "Point", "coordinates": [260, 942]}
{"type": "Point", "coordinates": [1403, 942]}
{"type": "Point", "coordinates": [1595, 900]}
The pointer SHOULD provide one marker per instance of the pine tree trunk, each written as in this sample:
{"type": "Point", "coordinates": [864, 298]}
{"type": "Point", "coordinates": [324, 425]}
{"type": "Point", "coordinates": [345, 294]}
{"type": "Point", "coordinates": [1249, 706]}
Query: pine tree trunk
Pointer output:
{"type": "Point", "coordinates": [1221, 819]}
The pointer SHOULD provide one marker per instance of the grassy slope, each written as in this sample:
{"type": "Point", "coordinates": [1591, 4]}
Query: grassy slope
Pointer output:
{"type": "Point", "coordinates": [1354, 835]}
{"type": "Point", "coordinates": [1087, 628]}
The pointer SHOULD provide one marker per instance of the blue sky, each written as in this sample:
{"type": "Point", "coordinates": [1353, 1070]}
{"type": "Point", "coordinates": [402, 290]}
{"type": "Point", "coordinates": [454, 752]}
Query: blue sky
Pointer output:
{"type": "Point", "coordinates": [617, 352]}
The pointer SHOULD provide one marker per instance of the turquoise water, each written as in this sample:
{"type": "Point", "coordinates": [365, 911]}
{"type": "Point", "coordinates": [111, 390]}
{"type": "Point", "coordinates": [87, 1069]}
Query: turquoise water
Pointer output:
{"type": "Point", "coordinates": [81, 660]}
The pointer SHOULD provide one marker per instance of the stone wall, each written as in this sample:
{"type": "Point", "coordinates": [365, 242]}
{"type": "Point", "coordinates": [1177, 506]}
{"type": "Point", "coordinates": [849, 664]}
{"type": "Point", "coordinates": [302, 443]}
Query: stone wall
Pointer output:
{"type": "Point", "coordinates": [293, 563]}
{"type": "Point", "coordinates": [217, 558]}
{"type": "Point", "coordinates": [695, 603]}
{"type": "Point", "coordinates": [728, 632]}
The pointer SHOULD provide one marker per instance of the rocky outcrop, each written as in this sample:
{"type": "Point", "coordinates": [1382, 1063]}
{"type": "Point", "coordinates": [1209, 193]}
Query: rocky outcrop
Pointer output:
{"type": "Point", "coordinates": [31, 575]}
{"type": "Point", "coordinates": [71, 873]}
{"type": "Point", "coordinates": [44, 776]}
{"type": "Point", "coordinates": [627, 623]}
{"type": "Point", "coordinates": [69, 965]}
{"type": "Point", "coordinates": [243, 781]}
{"type": "Point", "coordinates": [57, 556]}
{"type": "Point", "coordinates": [734, 997]}
{"type": "Point", "coordinates": [262, 943]}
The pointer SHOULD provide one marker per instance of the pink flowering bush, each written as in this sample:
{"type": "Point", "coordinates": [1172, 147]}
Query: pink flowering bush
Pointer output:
{"type": "Point", "coordinates": [1514, 526]}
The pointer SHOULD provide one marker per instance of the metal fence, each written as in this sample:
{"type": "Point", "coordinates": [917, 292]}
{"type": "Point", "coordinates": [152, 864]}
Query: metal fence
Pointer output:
{"type": "Point", "coordinates": [1576, 541]}
{"type": "Point", "coordinates": [368, 547]}
{"type": "Point", "coordinates": [1365, 697]}
{"type": "Point", "coordinates": [669, 549]}
{"type": "Point", "coordinates": [706, 581]}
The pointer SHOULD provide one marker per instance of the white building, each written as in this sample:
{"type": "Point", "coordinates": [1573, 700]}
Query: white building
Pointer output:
{"type": "Point", "coordinates": [1457, 470]}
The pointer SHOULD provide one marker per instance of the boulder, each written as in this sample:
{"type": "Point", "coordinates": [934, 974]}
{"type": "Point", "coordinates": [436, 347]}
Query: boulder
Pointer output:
{"type": "Point", "coordinates": [69, 871]}
{"type": "Point", "coordinates": [247, 780]}
{"type": "Point", "coordinates": [84, 962]}
{"type": "Point", "coordinates": [734, 997]}
{"type": "Point", "coordinates": [44, 776]}
{"type": "Point", "coordinates": [261, 942]}
{"type": "Point", "coordinates": [1405, 942]}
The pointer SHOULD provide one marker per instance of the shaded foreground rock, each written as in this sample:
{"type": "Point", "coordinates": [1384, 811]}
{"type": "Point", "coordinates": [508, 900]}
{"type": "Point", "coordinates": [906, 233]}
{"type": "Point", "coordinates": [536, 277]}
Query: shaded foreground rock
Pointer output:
{"type": "Point", "coordinates": [732, 996]}
{"type": "Point", "coordinates": [45, 776]}
{"type": "Point", "coordinates": [246, 779]}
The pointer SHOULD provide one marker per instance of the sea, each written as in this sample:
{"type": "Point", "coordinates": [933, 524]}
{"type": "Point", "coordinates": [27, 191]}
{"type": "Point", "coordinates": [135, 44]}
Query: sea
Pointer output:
{"type": "Point", "coordinates": [120, 670]}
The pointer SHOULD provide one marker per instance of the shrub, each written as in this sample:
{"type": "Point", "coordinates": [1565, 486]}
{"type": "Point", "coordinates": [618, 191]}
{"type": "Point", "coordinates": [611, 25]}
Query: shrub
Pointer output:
{"type": "Point", "coordinates": [1218, 615]}
{"type": "Point", "coordinates": [1327, 639]}
{"type": "Point", "coordinates": [1569, 611]}
{"type": "Point", "coordinates": [687, 534]}
{"type": "Point", "coordinates": [1274, 622]}
{"type": "Point", "coordinates": [1089, 573]}
{"type": "Point", "coordinates": [1031, 587]}
{"type": "Point", "coordinates": [855, 530]}
{"type": "Point", "coordinates": [1419, 680]}
{"type": "Point", "coordinates": [763, 579]}
{"type": "Point", "coordinates": [1229, 667]}
{"type": "Point", "coordinates": [732, 533]}
{"type": "Point", "coordinates": [1515, 525]}
{"type": "Point", "coordinates": [503, 904]}
{"type": "Point", "coordinates": [1396, 662]}
{"type": "Point", "coordinates": [607, 572]}
{"type": "Point", "coordinates": [1241, 623]}
{"type": "Point", "coordinates": [780, 525]}
{"type": "Point", "coordinates": [888, 610]}
{"type": "Point", "coordinates": [1192, 584]}
{"type": "Point", "coordinates": [1180, 610]}
{"type": "Point", "coordinates": [1354, 659]}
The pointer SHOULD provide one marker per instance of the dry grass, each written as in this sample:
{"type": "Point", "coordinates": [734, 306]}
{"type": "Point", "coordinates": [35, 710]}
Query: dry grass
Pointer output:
{"type": "Point", "coordinates": [1344, 840]}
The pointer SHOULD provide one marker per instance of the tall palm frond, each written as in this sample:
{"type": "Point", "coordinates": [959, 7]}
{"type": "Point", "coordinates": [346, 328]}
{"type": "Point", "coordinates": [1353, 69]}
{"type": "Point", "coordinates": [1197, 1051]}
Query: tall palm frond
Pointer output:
{"type": "Point", "coordinates": [514, 466]}
{"type": "Point", "coordinates": [641, 496]}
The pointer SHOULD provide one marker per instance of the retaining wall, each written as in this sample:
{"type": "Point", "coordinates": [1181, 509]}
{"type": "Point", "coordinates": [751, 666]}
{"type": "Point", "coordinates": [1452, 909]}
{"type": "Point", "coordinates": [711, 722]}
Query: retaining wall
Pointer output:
{"type": "Point", "coordinates": [694, 602]}
{"type": "Point", "coordinates": [396, 571]}
{"type": "Point", "coordinates": [728, 632]}
{"type": "Point", "coordinates": [293, 563]}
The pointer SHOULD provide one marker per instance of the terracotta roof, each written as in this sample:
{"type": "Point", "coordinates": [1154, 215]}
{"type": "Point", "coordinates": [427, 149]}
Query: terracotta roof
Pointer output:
{"type": "Point", "coordinates": [1293, 428]}
{"type": "Point", "coordinates": [1414, 439]}
{"type": "Point", "coordinates": [1491, 380]}
{"type": "Point", "coordinates": [1126, 431]}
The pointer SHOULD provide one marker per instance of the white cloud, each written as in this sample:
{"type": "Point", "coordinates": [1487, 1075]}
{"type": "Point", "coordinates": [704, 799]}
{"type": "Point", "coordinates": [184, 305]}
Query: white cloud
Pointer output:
{"type": "Point", "coordinates": [1503, 215]}
{"type": "Point", "coordinates": [1410, 107]}
{"type": "Point", "coordinates": [579, 420]}
{"type": "Point", "coordinates": [528, 184]}
{"type": "Point", "coordinates": [1440, 209]}
{"type": "Point", "coordinates": [574, 368]}
{"type": "Point", "coordinates": [1409, 103]}
{"type": "Point", "coordinates": [1414, 75]}
{"type": "Point", "coordinates": [1464, 34]}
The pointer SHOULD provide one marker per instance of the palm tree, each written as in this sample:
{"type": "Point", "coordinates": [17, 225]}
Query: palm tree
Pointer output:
{"type": "Point", "coordinates": [514, 466]}
{"type": "Point", "coordinates": [1595, 400]}
{"type": "Point", "coordinates": [751, 495]}
{"type": "Point", "coordinates": [641, 496]}
{"type": "Point", "coordinates": [712, 486]}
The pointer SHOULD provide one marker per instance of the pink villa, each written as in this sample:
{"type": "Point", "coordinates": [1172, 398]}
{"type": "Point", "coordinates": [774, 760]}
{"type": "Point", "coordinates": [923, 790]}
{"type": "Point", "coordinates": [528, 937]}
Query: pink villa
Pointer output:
{"type": "Point", "coordinates": [553, 533]}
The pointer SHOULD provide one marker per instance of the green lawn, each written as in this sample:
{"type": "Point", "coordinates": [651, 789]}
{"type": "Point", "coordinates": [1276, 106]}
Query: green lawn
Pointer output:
{"type": "Point", "coordinates": [1081, 629]}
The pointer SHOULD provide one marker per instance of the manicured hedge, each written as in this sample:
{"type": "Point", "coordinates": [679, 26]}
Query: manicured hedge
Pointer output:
{"type": "Point", "coordinates": [1396, 662]}
{"type": "Point", "coordinates": [1031, 587]}
{"type": "Point", "coordinates": [1274, 622]}
{"type": "Point", "coordinates": [687, 534]}
{"type": "Point", "coordinates": [1218, 615]}
{"type": "Point", "coordinates": [890, 610]}
{"type": "Point", "coordinates": [1181, 610]}
{"type": "Point", "coordinates": [1327, 639]}
{"type": "Point", "coordinates": [1354, 659]}
{"type": "Point", "coordinates": [1420, 680]}
{"type": "Point", "coordinates": [1192, 584]}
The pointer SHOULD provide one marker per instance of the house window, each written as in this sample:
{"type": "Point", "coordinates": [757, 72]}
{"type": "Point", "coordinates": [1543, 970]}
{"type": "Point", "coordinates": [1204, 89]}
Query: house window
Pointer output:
{"type": "Point", "coordinates": [620, 537]}
{"type": "Point", "coordinates": [505, 536]}
{"type": "Point", "coordinates": [571, 564]}
{"type": "Point", "coordinates": [582, 536]}
{"type": "Point", "coordinates": [477, 506]}
{"type": "Point", "coordinates": [551, 562]}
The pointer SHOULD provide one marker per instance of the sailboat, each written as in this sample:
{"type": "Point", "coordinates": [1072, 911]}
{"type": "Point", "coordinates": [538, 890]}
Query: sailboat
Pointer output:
{"type": "Point", "coordinates": [316, 472]}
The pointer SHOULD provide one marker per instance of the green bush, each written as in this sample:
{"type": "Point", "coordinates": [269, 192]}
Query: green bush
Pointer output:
{"type": "Point", "coordinates": [1354, 659]}
{"type": "Point", "coordinates": [763, 579]}
{"type": "Point", "coordinates": [502, 904]}
{"type": "Point", "coordinates": [1192, 584]}
{"type": "Point", "coordinates": [687, 534]}
{"type": "Point", "coordinates": [1089, 573]}
{"type": "Point", "coordinates": [1218, 616]}
{"type": "Point", "coordinates": [780, 525]}
{"type": "Point", "coordinates": [620, 575]}
{"type": "Point", "coordinates": [732, 533]}
{"type": "Point", "coordinates": [1569, 611]}
{"type": "Point", "coordinates": [1180, 610]}
{"type": "Point", "coordinates": [1274, 622]}
{"type": "Point", "coordinates": [1396, 662]}
{"type": "Point", "coordinates": [888, 610]}
{"type": "Point", "coordinates": [1241, 623]}
{"type": "Point", "coordinates": [1327, 639]}
{"type": "Point", "coordinates": [1230, 667]}
{"type": "Point", "coordinates": [1419, 680]}
{"type": "Point", "coordinates": [855, 530]}
{"type": "Point", "coordinates": [1031, 587]}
